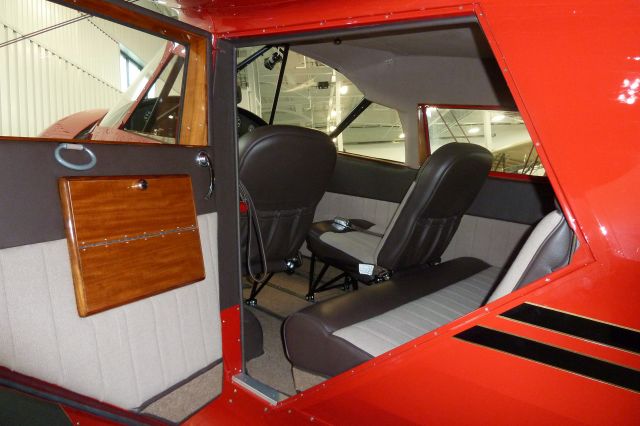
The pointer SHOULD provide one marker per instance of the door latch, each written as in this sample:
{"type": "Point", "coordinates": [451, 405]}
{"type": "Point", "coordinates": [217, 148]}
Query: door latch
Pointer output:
{"type": "Point", "coordinates": [203, 160]}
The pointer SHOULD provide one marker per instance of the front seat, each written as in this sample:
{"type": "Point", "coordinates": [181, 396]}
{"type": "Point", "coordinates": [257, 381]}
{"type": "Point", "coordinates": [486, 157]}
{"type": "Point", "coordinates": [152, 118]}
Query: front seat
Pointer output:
{"type": "Point", "coordinates": [421, 228]}
{"type": "Point", "coordinates": [283, 172]}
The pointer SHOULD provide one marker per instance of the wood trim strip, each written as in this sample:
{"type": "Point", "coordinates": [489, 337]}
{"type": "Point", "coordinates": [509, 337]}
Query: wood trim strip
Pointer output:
{"type": "Point", "coordinates": [193, 127]}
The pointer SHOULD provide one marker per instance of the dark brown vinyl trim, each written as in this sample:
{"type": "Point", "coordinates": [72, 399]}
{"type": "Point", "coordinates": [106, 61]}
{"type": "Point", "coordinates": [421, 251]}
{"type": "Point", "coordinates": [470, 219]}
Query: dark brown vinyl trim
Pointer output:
{"type": "Point", "coordinates": [225, 148]}
{"type": "Point", "coordinates": [374, 159]}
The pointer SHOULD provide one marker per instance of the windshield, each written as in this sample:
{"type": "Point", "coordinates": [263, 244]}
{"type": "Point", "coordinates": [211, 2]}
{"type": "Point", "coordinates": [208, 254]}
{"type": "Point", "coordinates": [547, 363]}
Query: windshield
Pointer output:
{"type": "Point", "coordinates": [117, 113]}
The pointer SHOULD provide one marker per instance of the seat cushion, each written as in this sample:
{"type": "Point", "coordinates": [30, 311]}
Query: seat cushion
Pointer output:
{"type": "Point", "coordinates": [309, 334]}
{"type": "Point", "coordinates": [548, 248]}
{"type": "Point", "coordinates": [393, 328]}
{"type": "Point", "coordinates": [360, 245]}
{"type": "Point", "coordinates": [344, 249]}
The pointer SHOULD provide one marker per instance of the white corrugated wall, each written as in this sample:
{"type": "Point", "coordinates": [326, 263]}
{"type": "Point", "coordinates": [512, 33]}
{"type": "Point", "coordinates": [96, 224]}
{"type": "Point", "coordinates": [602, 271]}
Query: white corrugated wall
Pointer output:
{"type": "Point", "coordinates": [63, 71]}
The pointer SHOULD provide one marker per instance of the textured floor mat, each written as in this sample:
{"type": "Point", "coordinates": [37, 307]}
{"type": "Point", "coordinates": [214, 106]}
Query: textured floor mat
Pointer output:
{"type": "Point", "coordinates": [272, 368]}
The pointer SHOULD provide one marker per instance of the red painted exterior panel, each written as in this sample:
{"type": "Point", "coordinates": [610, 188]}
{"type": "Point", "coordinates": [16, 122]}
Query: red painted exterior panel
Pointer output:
{"type": "Point", "coordinates": [571, 66]}
{"type": "Point", "coordinates": [567, 64]}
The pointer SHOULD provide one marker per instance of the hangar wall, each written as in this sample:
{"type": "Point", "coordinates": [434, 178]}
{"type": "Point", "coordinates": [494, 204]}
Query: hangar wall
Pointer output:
{"type": "Point", "coordinates": [62, 71]}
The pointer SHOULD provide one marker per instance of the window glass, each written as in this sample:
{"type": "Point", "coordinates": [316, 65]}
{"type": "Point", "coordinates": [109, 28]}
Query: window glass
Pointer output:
{"type": "Point", "coordinates": [157, 115]}
{"type": "Point", "coordinates": [316, 96]}
{"type": "Point", "coordinates": [62, 71]}
{"type": "Point", "coordinates": [376, 132]}
{"type": "Point", "coordinates": [501, 132]}
{"type": "Point", "coordinates": [129, 70]}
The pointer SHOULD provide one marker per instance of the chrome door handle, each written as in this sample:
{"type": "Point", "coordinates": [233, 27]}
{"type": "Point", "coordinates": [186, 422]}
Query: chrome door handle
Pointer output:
{"type": "Point", "coordinates": [203, 160]}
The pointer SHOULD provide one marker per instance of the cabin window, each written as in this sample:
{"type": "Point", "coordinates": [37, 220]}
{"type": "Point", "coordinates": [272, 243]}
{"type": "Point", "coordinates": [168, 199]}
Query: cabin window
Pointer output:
{"type": "Point", "coordinates": [156, 114]}
{"type": "Point", "coordinates": [66, 74]}
{"type": "Point", "coordinates": [377, 132]}
{"type": "Point", "coordinates": [129, 69]}
{"type": "Point", "coordinates": [501, 132]}
{"type": "Point", "coordinates": [317, 96]}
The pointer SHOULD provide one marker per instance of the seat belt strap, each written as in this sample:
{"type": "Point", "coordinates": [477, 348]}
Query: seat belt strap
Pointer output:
{"type": "Point", "coordinates": [342, 224]}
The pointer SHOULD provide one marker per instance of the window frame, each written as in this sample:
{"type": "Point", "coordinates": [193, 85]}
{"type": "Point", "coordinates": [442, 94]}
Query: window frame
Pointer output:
{"type": "Point", "coordinates": [193, 129]}
{"type": "Point", "coordinates": [424, 119]}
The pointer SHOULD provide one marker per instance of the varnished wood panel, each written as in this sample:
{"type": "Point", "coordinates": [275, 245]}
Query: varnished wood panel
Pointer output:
{"type": "Point", "coordinates": [193, 130]}
{"type": "Point", "coordinates": [128, 243]}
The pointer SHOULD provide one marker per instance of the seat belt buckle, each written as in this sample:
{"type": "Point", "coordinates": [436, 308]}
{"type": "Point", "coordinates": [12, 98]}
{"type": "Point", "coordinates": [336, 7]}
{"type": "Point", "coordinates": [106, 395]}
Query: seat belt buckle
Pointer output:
{"type": "Point", "coordinates": [382, 275]}
{"type": "Point", "coordinates": [365, 269]}
{"type": "Point", "coordinates": [341, 223]}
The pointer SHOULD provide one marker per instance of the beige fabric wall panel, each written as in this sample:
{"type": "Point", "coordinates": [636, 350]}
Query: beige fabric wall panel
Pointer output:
{"type": "Point", "coordinates": [123, 356]}
{"type": "Point", "coordinates": [491, 240]}
{"type": "Point", "coordinates": [349, 206]}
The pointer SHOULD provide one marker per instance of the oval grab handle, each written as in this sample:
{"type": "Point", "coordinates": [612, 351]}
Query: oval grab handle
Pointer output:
{"type": "Point", "coordinates": [75, 147]}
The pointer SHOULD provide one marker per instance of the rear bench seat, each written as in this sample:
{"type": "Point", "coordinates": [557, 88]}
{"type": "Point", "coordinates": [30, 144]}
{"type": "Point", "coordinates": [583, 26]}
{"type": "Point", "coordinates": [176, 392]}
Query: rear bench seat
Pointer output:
{"type": "Point", "coordinates": [333, 336]}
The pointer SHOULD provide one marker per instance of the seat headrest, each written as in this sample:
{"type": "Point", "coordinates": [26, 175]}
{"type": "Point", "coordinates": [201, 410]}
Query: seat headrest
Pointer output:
{"type": "Point", "coordinates": [285, 167]}
{"type": "Point", "coordinates": [454, 169]}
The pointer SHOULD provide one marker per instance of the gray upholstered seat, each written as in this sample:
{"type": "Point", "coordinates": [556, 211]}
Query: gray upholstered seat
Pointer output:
{"type": "Point", "coordinates": [335, 335]}
{"type": "Point", "coordinates": [285, 171]}
{"type": "Point", "coordinates": [423, 225]}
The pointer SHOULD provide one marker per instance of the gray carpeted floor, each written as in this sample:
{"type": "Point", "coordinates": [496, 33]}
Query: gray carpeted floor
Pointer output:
{"type": "Point", "coordinates": [282, 296]}
{"type": "Point", "coordinates": [188, 398]}
{"type": "Point", "coordinates": [271, 368]}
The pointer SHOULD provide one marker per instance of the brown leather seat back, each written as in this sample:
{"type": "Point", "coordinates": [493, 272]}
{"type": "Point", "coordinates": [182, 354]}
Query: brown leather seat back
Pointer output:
{"type": "Point", "coordinates": [286, 169]}
{"type": "Point", "coordinates": [431, 211]}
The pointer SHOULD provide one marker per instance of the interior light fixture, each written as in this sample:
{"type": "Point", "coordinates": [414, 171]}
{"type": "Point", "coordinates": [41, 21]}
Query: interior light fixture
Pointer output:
{"type": "Point", "coordinates": [344, 89]}
{"type": "Point", "coordinates": [333, 113]}
{"type": "Point", "coordinates": [401, 136]}
{"type": "Point", "coordinates": [473, 130]}
{"type": "Point", "coordinates": [498, 117]}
